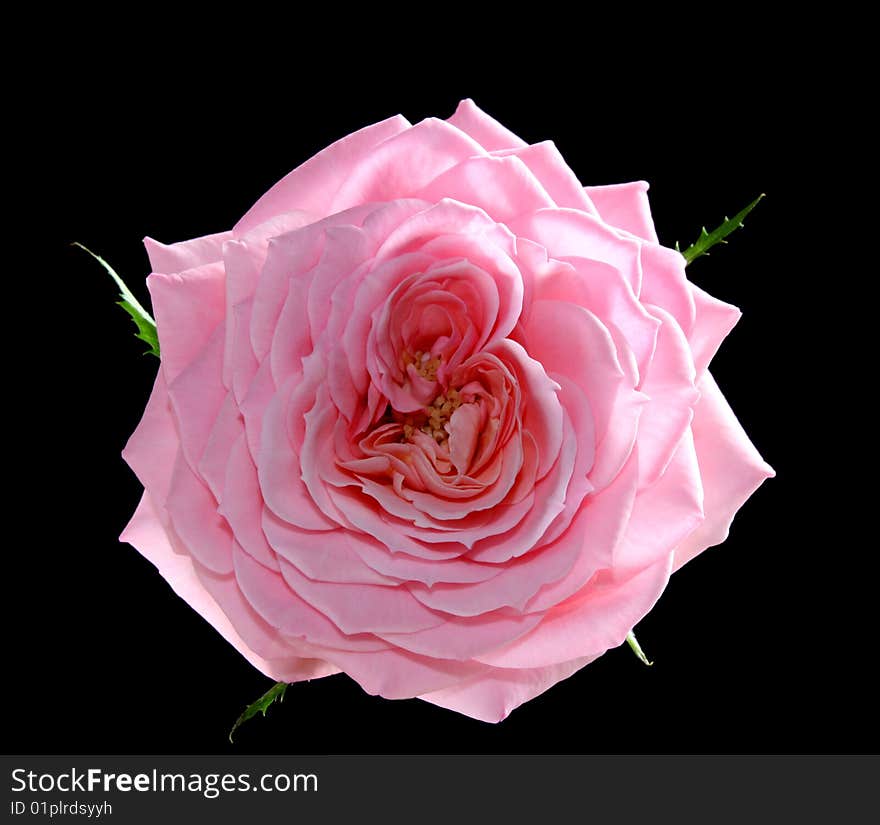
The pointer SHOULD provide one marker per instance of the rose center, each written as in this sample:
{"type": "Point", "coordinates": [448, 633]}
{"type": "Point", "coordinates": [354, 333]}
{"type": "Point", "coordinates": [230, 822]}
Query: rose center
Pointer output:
{"type": "Point", "coordinates": [434, 418]}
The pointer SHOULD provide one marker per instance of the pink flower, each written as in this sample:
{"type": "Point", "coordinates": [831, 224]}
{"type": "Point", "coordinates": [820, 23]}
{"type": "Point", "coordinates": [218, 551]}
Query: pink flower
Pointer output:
{"type": "Point", "coordinates": [435, 415]}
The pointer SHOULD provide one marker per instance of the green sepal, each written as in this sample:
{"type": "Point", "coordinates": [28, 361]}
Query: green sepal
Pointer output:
{"type": "Point", "coordinates": [144, 322]}
{"type": "Point", "coordinates": [637, 648]}
{"type": "Point", "coordinates": [709, 239]}
{"type": "Point", "coordinates": [276, 692]}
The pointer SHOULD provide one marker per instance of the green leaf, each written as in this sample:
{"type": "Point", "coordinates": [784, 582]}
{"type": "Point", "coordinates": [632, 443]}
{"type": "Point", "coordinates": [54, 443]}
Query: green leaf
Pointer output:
{"type": "Point", "coordinates": [261, 705]}
{"type": "Point", "coordinates": [143, 320]}
{"type": "Point", "coordinates": [637, 648]}
{"type": "Point", "coordinates": [709, 239]}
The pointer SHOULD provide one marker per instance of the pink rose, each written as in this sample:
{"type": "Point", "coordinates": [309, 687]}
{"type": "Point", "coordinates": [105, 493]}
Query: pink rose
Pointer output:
{"type": "Point", "coordinates": [435, 415]}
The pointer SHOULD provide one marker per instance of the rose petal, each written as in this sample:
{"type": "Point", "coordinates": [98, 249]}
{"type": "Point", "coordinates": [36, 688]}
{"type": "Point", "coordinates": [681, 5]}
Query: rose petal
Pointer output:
{"type": "Point", "coordinates": [665, 513]}
{"type": "Point", "coordinates": [462, 639]}
{"type": "Point", "coordinates": [665, 284]}
{"type": "Point", "coordinates": [596, 619]}
{"type": "Point", "coordinates": [241, 504]}
{"type": "Point", "coordinates": [259, 635]}
{"type": "Point", "coordinates": [396, 674]}
{"type": "Point", "coordinates": [669, 383]}
{"type": "Point", "coordinates": [227, 429]}
{"type": "Point", "coordinates": [292, 255]}
{"type": "Point", "coordinates": [570, 341]}
{"type": "Point", "coordinates": [730, 468]}
{"type": "Point", "coordinates": [185, 255]}
{"type": "Point", "coordinates": [242, 264]}
{"type": "Point", "coordinates": [491, 696]}
{"type": "Point", "coordinates": [243, 364]}
{"type": "Point", "coordinates": [597, 528]}
{"type": "Point", "coordinates": [243, 260]}
{"type": "Point", "coordinates": [271, 597]}
{"type": "Point", "coordinates": [253, 405]}
{"type": "Point", "coordinates": [483, 128]}
{"type": "Point", "coordinates": [152, 448]}
{"type": "Point", "coordinates": [603, 290]}
{"type": "Point", "coordinates": [549, 167]}
{"type": "Point", "coordinates": [543, 412]}
{"type": "Point", "coordinates": [401, 165]}
{"type": "Point", "coordinates": [517, 582]}
{"type": "Point", "coordinates": [197, 395]}
{"type": "Point", "coordinates": [282, 473]}
{"type": "Point", "coordinates": [312, 186]}
{"type": "Point", "coordinates": [625, 205]}
{"type": "Point", "coordinates": [548, 501]}
{"type": "Point", "coordinates": [502, 187]}
{"type": "Point", "coordinates": [188, 308]}
{"type": "Point", "coordinates": [324, 556]}
{"type": "Point", "coordinates": [193, 512]}
{"type": "Point", "coordinates": [568, 233]}
{"type": "Point", "coordinates": [582, 432]}
{"type": "Point", "coordinates": [714, 320]}
{"type": "Point", "coordinates": [362, 608]}
{"type": "Point", "coordinates": [411, 568]}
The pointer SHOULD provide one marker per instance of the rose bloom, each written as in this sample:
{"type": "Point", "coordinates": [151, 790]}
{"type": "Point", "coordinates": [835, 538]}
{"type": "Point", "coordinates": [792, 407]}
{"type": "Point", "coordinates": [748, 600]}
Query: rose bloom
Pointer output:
{"type": "Point", "coordinates": [434, 415]}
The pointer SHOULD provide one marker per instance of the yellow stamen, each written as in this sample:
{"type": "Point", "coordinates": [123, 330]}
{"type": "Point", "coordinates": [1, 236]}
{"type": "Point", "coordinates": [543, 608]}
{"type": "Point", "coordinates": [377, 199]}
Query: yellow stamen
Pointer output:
{"type": "Point", "coordinates": [439, 414]}
{"type": "Point", "coordinates": [425, 365]}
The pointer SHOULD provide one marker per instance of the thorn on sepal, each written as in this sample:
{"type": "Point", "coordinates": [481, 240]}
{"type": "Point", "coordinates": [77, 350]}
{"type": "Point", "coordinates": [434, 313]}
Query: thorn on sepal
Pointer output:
{"type": "Point", "coordinates": [707, 240]}
{"type": "Point", "coordinates": [275, 693]}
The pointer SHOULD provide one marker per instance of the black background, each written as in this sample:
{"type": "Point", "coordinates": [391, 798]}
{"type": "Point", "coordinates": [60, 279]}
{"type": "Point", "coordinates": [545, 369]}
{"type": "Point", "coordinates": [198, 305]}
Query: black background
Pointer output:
{"type": "Point", "coordinates": [760, 645]}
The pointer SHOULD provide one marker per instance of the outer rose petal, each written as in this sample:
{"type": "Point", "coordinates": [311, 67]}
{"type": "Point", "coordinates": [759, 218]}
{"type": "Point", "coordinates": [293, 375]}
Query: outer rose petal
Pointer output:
{"type": "Point", "coordinates": [362, 608]}
{"type": "Point", "coordinates": [197, 395]}
{"type": "Point", "coordinates": [397, 674]}
{"type": "Point", "coordinates": [193, 512]}
{"type": "Point", "coordinates": [188, 306]}
{"type": "Point", "coordinates": [271, 597]}
{"type": "Point", "coordinates": [549, 167]}
{"type": "Point", "coordinates": [502, 187]}
{"type": "Point", "coordinates": [179, 257]}
{"type": "Point", "coordinates": [485, 130]}
{"type": "Point", "coordinates": [145, 532]}
{"type": "Point", "coordinates": [730, 466]}
{"type": "Point", "coordinates": [404, 163]}
{"type": "Point", "coordinates": [591, 622]}
{"type": "Point", "coordinates": [625, 205]}
{"type": "Point", "coordinates": [322, 556]}
{"type": "Point", "coordinates": [227, 428]}
{"type": "Point", "coordinates": [410, 568]}
{"type": "Point", "coordinates": [490, 697]}
{"type": "Point", "coordinates": [312, 186]}
{"type": "Point", "coordinates": [243, 260]}
{"type": "Point", "coordinates": [241, 504]}
{"type": "Point", "coordinates": [665, 513]}
{"type": "Point", "coordinates": [665, 284]}
{"type": "Point", "coordinates": [152, 448]}
{"type": "Point", "coordinates": [669, 384]}
{"type": "Point", "coordinates": [571, 233]}
{"type": "Point", "coordinates": [599, 528]}
{"type": "Point", "coordinates": [714, 319]}
{"type": "Point", "coordinates": [462, 639]}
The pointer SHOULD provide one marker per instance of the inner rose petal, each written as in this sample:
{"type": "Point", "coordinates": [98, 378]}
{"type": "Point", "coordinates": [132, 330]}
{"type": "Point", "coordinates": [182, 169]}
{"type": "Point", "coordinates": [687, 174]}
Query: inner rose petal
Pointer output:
{"type": "Point", "coordinates": [475, 446]}
{"type": "Point", "coordinates": [431, 323]}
